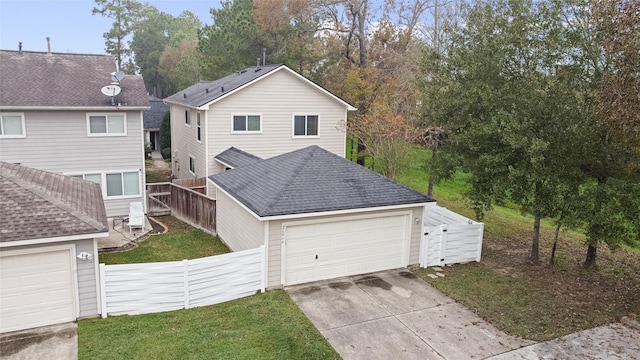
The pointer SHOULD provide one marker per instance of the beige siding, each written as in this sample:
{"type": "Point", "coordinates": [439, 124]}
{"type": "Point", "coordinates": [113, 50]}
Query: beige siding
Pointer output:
{"type": "Point", "coordinates": [184, 141]}
{"type": "Point", "coordinates": [274, 270]}
{"type": "Point", "coordinates": [57, 141]}
{"type": "Point", "coordinates": [86, 273]}
{"type": "Point", "coordinates": [277, 98]}
{"type": "Point", "coordinates": [236, 226]}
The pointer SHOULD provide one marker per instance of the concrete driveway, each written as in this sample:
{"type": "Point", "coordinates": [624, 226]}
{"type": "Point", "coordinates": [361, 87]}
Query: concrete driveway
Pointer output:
{"type": "Point", "coordinates": [58, 342]}
{"type": "Point", "coordinates": [394, 314]}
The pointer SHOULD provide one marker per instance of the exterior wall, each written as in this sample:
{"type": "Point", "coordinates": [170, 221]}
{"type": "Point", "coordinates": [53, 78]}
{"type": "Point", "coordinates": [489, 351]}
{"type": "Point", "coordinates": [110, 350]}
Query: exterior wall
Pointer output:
{"type": "Point", "coordinates": [276, 98]}
{"type": "Point", "coordinates": [86, 274]}
{"type": "Point", "coordinates": [184, 143]}
{"type": "Point", "coordinates": [274, 250]}
{"type": "Point", "coordinates": [57, 141]}
{"type": "Point", "coordinates": [236, 226]}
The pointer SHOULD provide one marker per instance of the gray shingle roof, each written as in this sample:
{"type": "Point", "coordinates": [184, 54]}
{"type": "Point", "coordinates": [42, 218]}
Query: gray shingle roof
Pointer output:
{"type": "Point", "coordinates": [63, 80]}
{"type": "Point", "coordinates": [236, 157]}
{"type": "Point", "coordinates": [152, 118]}
{"type": "Point", "coordinates": [36, 204]}
{"type": "Point", "coordinates": [205, 92]}
{"type": "Point", "coordinates": [312, 180]}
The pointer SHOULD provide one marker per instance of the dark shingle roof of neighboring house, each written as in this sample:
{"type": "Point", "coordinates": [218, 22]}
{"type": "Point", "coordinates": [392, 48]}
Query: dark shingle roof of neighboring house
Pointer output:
{"type": "Point", "coordinates": [206, 92]}
{"type": "Point", "coordinates": [36, 204]}
{"type": "Point", "coordinates": [63, 80]}
{"type": "Point", "coordinates": [152, 118]}
{"type": "Point", "coordinates": [235, 157]}
{"type": "Point", "coordinates": [311, 180]}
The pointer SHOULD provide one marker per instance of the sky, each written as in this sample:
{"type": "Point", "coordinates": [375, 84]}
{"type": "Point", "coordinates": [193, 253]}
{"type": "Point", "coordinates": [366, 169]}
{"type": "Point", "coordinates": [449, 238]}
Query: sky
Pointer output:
{"type": "Point", "coordinates": [70, 25]}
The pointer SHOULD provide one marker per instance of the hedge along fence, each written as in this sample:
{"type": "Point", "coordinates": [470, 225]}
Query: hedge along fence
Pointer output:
{"type": "Point", "coordinates": [165, 286]}
{"type": "Point", "coordinates": [449, 238]}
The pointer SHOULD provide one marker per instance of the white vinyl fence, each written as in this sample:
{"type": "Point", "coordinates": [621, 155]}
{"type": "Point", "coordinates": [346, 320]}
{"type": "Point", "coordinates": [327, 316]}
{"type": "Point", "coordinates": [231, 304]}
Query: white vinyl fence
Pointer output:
{"type": "Point", "coordinates": [165, 286]}
{"type": "Point", "coordinates": [449, 238]}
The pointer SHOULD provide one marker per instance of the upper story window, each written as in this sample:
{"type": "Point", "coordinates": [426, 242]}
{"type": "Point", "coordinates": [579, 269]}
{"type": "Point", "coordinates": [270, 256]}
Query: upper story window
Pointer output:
{"type": "Point", "coordinates": [96, 178]}
{"type": "Point", "coordinates": [305, 125]}
{"type": "Point", "coordinates": [198, 131]}
{"type": "Point", "coordinates": [12, 125]}
{"type": "Point", "coordinates": [123, 184]}
{"type": "Point", "coordinates": [107, 125]}
{"type": "Point", "coordinates": [187, 117]}
{"type": "Point", "coordinates": [247, 123]}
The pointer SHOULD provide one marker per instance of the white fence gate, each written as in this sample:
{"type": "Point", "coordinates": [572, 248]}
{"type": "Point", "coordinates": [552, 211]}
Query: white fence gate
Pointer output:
{"type": "Point", "coordinates": [449, 238]}
{"type": "Point", "coordinates": [165, 286]}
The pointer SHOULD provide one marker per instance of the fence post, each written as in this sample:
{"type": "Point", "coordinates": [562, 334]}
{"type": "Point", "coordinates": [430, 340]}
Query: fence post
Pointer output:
{"type": "Point", "coordinates": [480, 235]}
{"type": "Point", "coordinates": [443, 243]}
{"type": "Point", "coordinates": [185, 274]}
{"type": "Point", "coordinates": [103, 291]}
{"type": "Point", "coordinates": [263, 271]}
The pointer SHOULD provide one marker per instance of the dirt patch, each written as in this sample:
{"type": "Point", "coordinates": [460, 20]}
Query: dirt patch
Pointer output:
{"type": "Point", "coordinates": [341, 285]}
{"type": "Point", "coordinates": [374, 281]}
{"type": "Point", "coordinates": [309, 290]}
{"type": "Point", "coordinates": [408, 275]}
{"type": "Point", "coordinates": [14, 343]}
{"type": "Point", "coordinates": [158, 227]}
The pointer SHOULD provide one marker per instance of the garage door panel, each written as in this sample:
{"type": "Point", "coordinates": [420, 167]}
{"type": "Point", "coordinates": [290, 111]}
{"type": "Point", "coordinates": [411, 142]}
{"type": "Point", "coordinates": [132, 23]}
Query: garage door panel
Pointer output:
{"type": "Point", "coordinates": [38, 289]}
{"type": "Point", "coordinates": [344, 248]}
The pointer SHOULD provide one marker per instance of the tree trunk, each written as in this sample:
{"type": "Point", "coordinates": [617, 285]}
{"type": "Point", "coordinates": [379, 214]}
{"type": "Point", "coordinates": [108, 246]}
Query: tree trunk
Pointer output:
{"type": "Point", "coordinates": [434, 153]}
{"type": "Point", "coordinates": [590, 262]}
{"type": "Point", "coordinates": [361, 150]}
{"type": "Point", "coordinates": [552, 262]}
{"type": "Point", "coordinates": [535, 247]}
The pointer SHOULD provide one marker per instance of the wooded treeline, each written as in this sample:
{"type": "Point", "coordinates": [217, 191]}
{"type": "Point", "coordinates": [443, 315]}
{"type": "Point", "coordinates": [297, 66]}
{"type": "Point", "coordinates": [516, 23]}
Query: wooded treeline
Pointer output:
{"type": "Point", "coordinates": [539, 101]}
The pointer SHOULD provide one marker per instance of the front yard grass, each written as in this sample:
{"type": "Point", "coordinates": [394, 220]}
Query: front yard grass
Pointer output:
{"type": "Point", "coordinates": [180, 242]}
{"type": "Point", "coordinates": [536, 302]}
{"type": "Point", "coordinates": [264, 326]}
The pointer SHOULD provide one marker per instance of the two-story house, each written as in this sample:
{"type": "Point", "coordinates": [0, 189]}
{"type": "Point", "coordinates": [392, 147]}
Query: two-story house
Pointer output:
{"type": "Point", "coordinates": [264, 110]}
{"type": "Point", "coordinates": [55, 116]}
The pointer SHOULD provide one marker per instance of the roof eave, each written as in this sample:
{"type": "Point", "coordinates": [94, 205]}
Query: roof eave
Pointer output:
{"type": "Point", "coordinates": [37, 241]}
{"type": "Point", "coordinates": [83, 108]}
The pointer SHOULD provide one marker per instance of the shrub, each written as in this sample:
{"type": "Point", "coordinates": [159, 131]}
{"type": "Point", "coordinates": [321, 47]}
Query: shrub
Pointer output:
{"type": "Point", "coordinates": [166, 153]}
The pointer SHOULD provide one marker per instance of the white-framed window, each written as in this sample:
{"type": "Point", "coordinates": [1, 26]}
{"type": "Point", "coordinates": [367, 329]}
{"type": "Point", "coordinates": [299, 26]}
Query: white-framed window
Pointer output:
{"type": "Point", "coordinates": [198, 129]}
{"type": "Point", "coordinates": [106, 125]}
{"type": "Point", "coordinates": [122, 183]}
{"type": "Point", "coordinates": [246, 124]}
{"type": "Point", "coordinates": [305, 125]}
{"type": "Point", "coordinates": [12, 125]}
{"type": "Point", "coordinates": [115, 184]}
{"type": "Point", "coordinates": [192, 165]}
{"type": "Point", "coordinates": [187, 117]}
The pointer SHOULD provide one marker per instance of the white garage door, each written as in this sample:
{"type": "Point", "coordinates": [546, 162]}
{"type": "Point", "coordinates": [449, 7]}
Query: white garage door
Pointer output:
{"type": "Point", "coordinates": [328, 250]}
{"type": "Point", "coordinates": [37, 289]}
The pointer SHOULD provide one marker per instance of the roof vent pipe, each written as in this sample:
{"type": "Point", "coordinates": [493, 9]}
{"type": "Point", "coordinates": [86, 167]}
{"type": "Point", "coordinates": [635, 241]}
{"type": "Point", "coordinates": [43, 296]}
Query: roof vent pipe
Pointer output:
{"type": "Point", "coordinates": [20, 47]}
{"type": "Point", "coordinates": [264, 56]}
{"type": "Point", "coordinates": [257, 62]}
{"type": "Point", "coordinates": [184, 95]}
{"type": "Point", "coordinates": [206, 91]}
{"type": "Point", "coordinates": [221, 88]}
{"type": "Point", "coordinates": [48, 45]}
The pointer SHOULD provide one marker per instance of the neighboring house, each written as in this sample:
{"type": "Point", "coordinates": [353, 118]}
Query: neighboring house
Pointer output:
{"type": "Point", "coordinates": [153, 121]}
{"type": "Point", "coordinates": [48, 252]}
{"type": "Point", "coordinates": [264, 110]}
{"type": "Point", "coordinates": [54, 117]}
{"type": "Point", "coordinates": [319, 215]}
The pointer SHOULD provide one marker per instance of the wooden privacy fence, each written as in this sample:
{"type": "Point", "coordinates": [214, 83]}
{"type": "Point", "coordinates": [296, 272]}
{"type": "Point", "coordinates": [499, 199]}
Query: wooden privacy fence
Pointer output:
{"type": "Point", "coordinates": [449, 238]}
{"type": "Point", "coordinates": [197, 184]}
{"type": "Point", "coordinates": [165, 286]}
{"type": "Point", "coordinates": [188, 205]}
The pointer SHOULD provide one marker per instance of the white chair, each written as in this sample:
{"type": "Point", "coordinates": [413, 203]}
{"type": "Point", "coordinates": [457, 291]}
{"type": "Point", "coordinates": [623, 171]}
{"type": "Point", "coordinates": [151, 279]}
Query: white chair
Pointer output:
{"type": "Point", "coordinates": [136, 217]}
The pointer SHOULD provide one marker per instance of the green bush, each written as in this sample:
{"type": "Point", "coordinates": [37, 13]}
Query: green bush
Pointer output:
{"type": "Point", "coordinates": [165, 131]}
{"type": "Point", "coordinates": [166, 153]}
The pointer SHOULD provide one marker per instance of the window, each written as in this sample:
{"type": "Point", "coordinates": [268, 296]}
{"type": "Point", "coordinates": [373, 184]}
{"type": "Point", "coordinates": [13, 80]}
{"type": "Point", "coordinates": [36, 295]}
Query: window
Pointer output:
{"type": "Point", "coordinates": [305, 125]}
{"type": "Point", "coordinates": [96, 178]}
{"type": "Point", "coordinates": [192, 165]}
{"type": "Point", "coordinates": [107, 125]}
{"type": "Point", "coordinates": [12, 126]}
{"type": "Point", "coordinates": [122, 184]}
{"type": "Point", "coordinates": [187, 117]}
{"type": "Point", "coordinates": [246, 123]}
{"type": "Point", "coordinates": [198, 126]}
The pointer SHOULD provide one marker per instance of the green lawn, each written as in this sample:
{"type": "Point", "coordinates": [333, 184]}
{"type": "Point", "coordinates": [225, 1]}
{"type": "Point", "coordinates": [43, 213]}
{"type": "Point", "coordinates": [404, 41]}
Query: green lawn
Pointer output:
{"type": "Point", "coordinates": [181, 242]}
{"type": "Point", "coordinates": [534, 302]}
{"type": "Point", "coordinates": [264, 326]}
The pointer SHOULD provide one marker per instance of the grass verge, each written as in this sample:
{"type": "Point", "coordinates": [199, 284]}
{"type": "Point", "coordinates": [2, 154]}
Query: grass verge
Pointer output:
{"type": "Point", "coordinates": [180, 242]}
{"type": "Point", "coordinates": [264, 326]}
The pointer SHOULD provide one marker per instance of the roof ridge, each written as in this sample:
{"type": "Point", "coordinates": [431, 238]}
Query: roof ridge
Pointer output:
{"type": "Point", "coordinates": [295, 173]}
{"type": "Point", "coordinates": [38, 191]}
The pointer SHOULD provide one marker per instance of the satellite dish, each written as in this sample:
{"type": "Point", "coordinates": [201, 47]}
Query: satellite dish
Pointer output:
{"type": "Point", "coordinates": [117, 76]}
{"type": "Point", "coordinates": [111, 90]}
